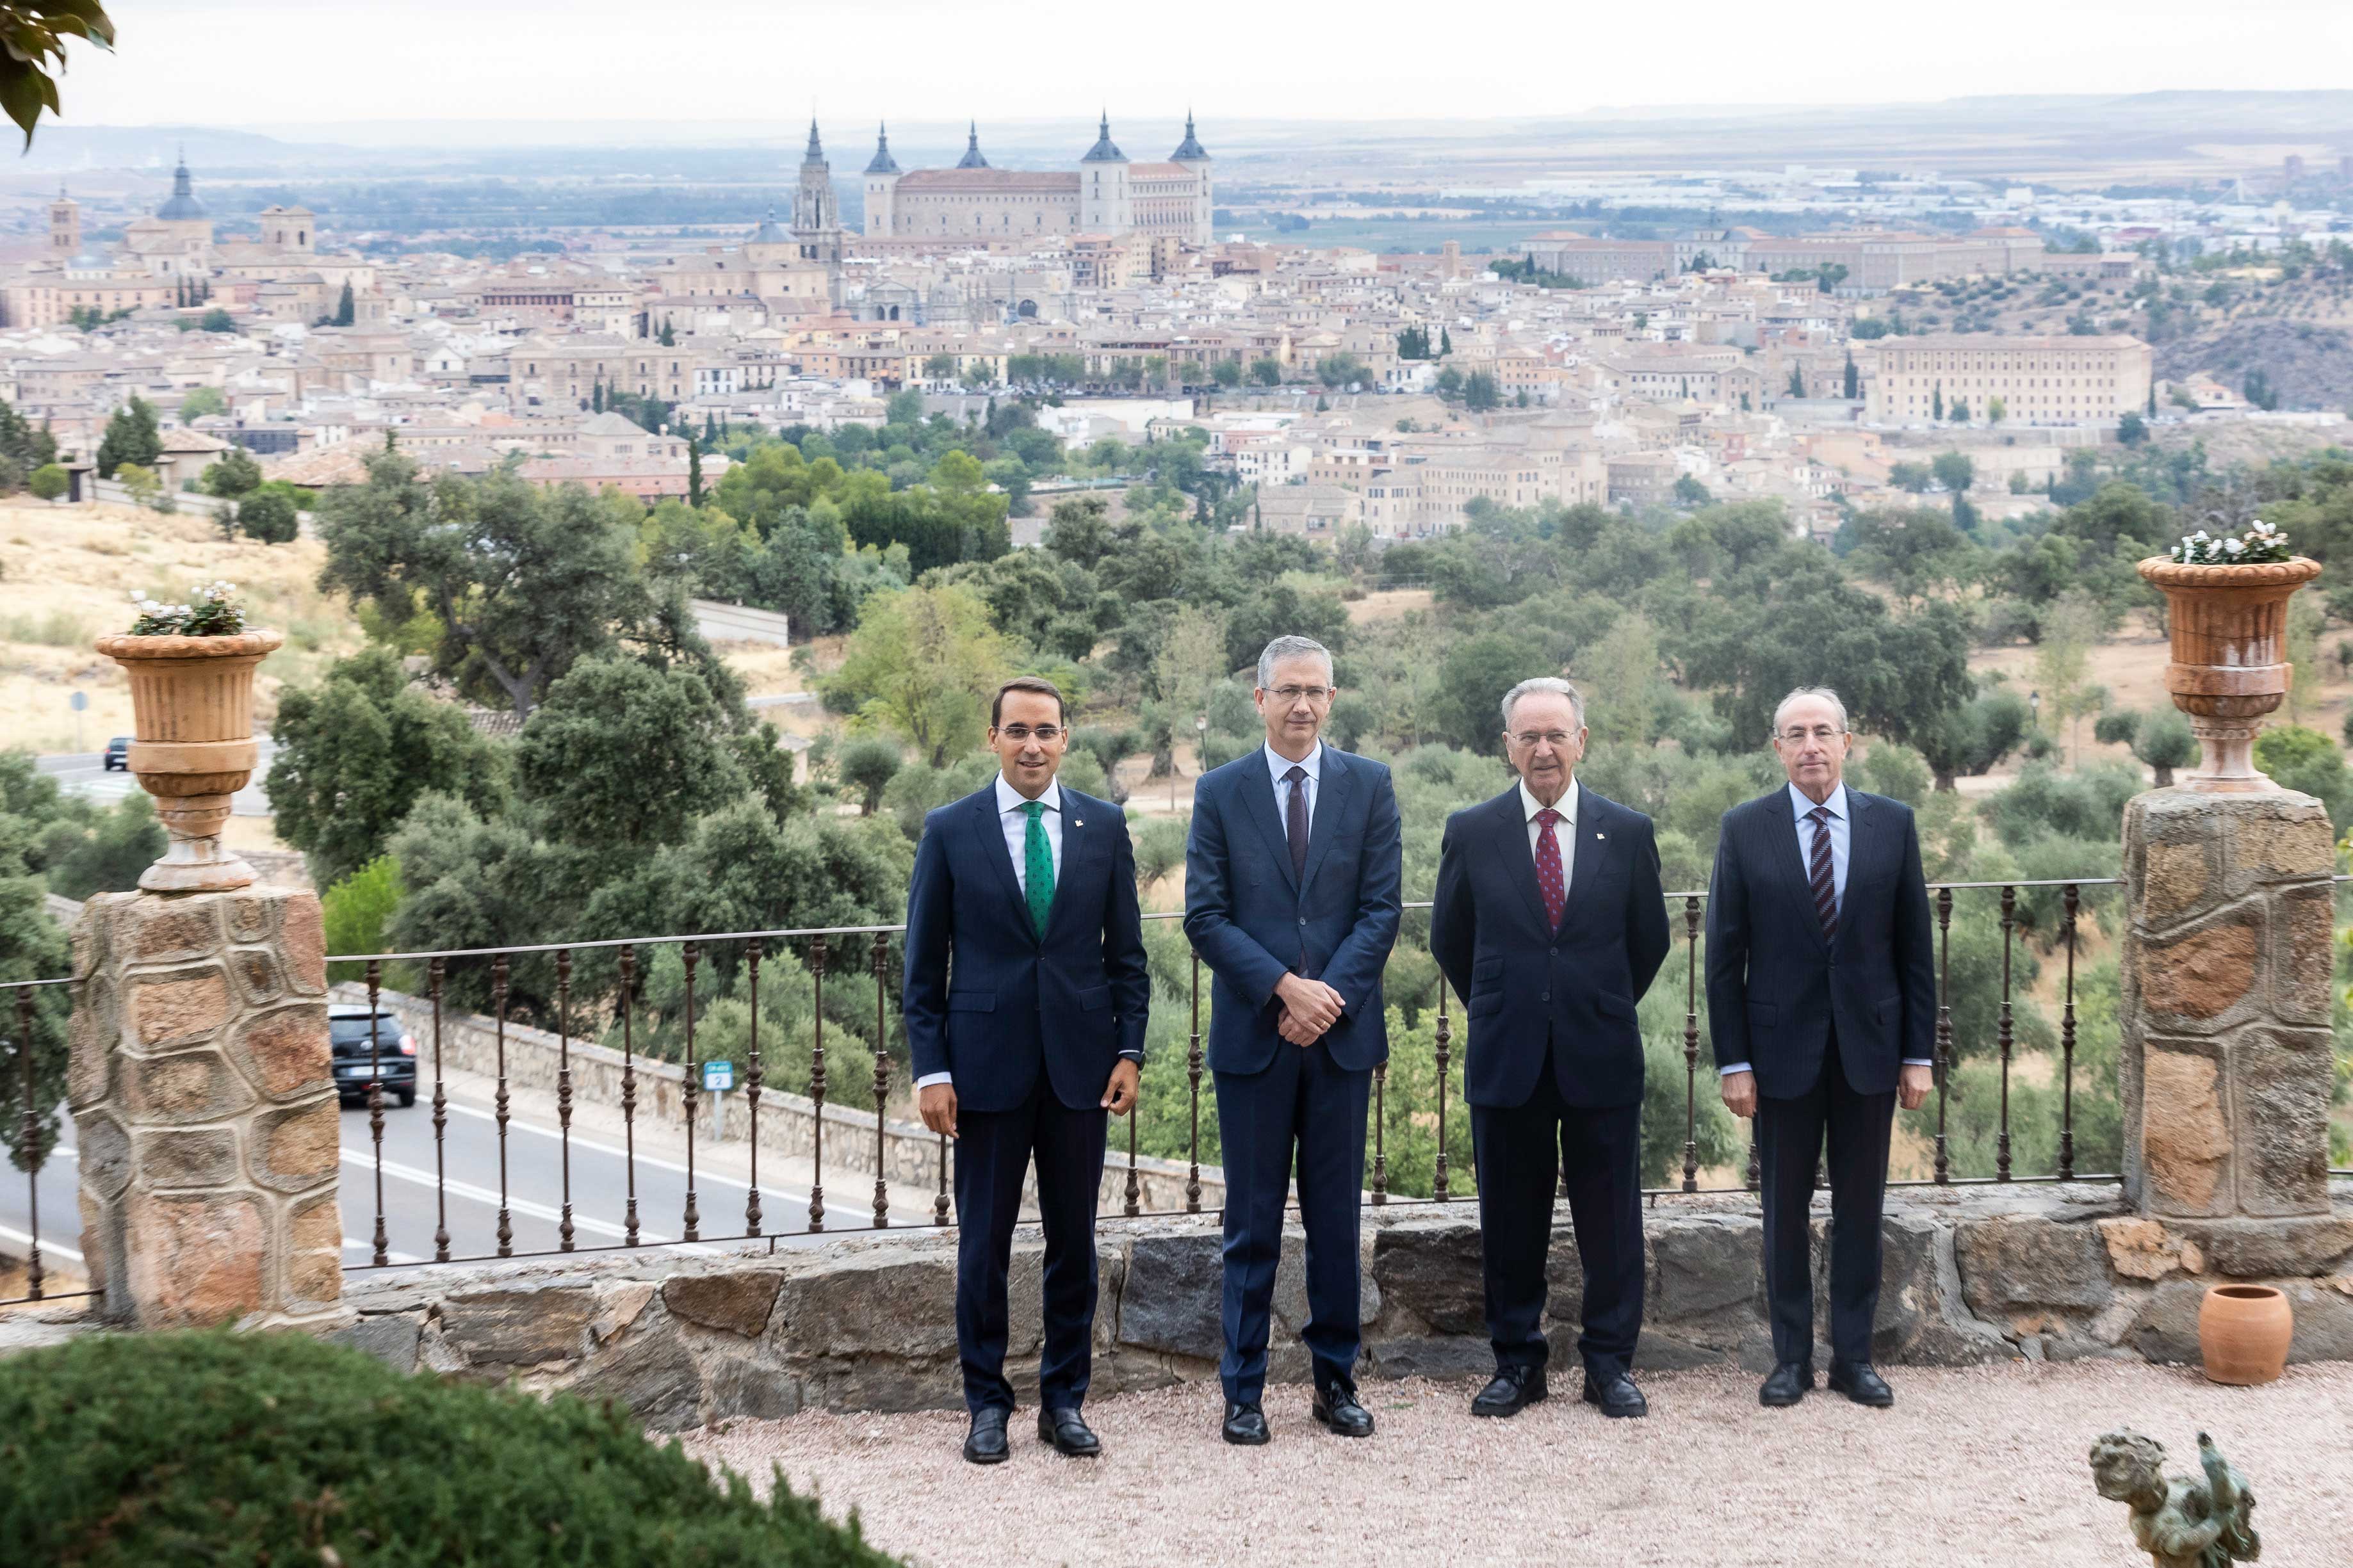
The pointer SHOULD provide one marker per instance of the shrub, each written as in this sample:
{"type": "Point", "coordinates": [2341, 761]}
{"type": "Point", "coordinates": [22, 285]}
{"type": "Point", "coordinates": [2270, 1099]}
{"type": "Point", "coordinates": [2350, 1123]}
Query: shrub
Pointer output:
{"type": "Point", "coordinates": [49, 481]}
{"type": "Point", "coordinates": [269, 517]}
{"type": "Point", "coordinates": [353, 912]}
{"type": "Point", "coordinates": [273, 1447]}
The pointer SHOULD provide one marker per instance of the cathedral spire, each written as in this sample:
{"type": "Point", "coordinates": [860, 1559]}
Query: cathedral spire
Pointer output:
{"type": "Point", "coordinates": [816, 153]}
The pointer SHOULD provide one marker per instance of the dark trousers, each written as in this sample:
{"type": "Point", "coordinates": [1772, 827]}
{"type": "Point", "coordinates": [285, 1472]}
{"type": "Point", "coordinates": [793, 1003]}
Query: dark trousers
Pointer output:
{"type": "Point", "coordinates": [1304, 1102]}
{"type": "Point", "coordinates": [1790, 1138]}
{"type": "Point", "coordinates": [993, 1152]}
{"type": "Point", "coordinates": [1522, 1154]}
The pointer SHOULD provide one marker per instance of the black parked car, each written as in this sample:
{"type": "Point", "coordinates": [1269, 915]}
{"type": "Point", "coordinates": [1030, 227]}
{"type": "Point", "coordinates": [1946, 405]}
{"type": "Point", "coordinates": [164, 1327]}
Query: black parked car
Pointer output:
{"type": "Point", "coordinates": [393, 1055]}
{"type": "Point", "coordinates": [118, 755]}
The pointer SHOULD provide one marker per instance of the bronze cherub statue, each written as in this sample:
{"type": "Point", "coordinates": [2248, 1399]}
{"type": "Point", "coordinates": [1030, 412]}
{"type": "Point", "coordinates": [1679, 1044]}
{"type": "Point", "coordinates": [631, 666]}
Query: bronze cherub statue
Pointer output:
{"type": "Point", "coordinates": [2179, 1521]}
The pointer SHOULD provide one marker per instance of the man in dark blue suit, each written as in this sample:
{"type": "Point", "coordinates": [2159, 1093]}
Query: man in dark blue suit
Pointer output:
{"type": "Point", "coordinates": [1821, 999]}
{"type": "Point", "coordinates": [1025, 1004]}
{"type": "Point", "coordinates": [1550, 924]}
{"type": "Point", "coordinates": [1292, 900]}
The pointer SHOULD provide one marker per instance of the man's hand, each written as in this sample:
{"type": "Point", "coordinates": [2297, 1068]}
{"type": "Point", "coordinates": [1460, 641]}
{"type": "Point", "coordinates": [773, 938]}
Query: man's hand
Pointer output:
{"type": "Point", "coordinates": [1912, 1087]}
{"type": "Point", "coordinates": [937, 1102]}
{"type": "Point", "coordinates": [1312, 1003]}
{"type": "Point", "coordinates": [1740, 1093]}
{"type": "Point", "coordinates": [1295, 1028]}
{"type": "Point", "coordinates": [1119, 1095]}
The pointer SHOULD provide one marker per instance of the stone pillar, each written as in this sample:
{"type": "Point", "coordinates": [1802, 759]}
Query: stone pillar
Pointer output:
{"type": "Point", "coordinates": [201, 1083]}
{"type": "Point", "coordinates": [2228, 961]}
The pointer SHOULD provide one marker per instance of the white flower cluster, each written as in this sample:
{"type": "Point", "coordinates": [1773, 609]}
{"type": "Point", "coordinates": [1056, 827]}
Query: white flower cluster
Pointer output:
{"type": "Point", "coordinates": [2260, 544]}
{"type": "Point", "coordinates": [213, 611]}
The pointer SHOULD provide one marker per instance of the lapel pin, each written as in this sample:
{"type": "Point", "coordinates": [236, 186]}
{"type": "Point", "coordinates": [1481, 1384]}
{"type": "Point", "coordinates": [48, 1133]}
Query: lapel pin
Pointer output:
{"type": "Point", "coordinates": [1600, 835]}
{"type": "Point", "coordinates": [1078, 822]}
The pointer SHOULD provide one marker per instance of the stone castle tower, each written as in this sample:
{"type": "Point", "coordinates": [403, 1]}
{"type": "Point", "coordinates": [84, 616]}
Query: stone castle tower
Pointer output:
{"type": "Point", "coordinates": [881, 181]}
{"type": "Point", "coordinates": [1104, 204]}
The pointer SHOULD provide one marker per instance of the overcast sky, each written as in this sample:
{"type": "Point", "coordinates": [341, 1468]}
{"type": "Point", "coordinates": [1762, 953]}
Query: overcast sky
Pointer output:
{"type": "Point", "coordinates": [271, 64]}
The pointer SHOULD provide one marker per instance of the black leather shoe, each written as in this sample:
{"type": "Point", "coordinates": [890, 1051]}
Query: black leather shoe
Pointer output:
{"type": "Point", "coordinates": [1068, 1433]}
{"type": "Point", "coordinates": [1859, 1382]}
{"type": "Point", "coordinates": [1245, 1424]}
{"type": "Point", "coordinates": [985, 1444]}
{"type": "Point", "coordinates": [1789, 1382]}
{"type": "Point", "coordinates": [1616, 1394]}
{"type": "Point", "coordinates": [1511, 1390]}
{"type": "Point", "coordinates": [1337, 1409]}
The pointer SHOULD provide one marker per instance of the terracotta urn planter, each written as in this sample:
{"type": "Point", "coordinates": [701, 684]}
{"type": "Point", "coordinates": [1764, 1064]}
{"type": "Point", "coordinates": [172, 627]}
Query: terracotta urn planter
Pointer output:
{"type": "Point", "coordinates": [2229, 626]}
{"type": "Point", "coordinates": [2243, 1331]}
{"type": "Point", "coordinates": [192, 745]}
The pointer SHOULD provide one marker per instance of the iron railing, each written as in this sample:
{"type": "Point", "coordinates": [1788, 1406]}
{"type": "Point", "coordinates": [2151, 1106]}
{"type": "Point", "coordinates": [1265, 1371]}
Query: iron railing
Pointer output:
{"type": "Point", "coordinates": [855, 954]}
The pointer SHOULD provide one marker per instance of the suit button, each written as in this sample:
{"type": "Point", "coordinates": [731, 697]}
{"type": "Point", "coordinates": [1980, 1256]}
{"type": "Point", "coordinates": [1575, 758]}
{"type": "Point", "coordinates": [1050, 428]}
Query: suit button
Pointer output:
{"type": "Point", "coordinates": [1553, 951]}
{"type": "Point", "coordinates": [1545, 997]}
{"type": "Point", "coordinates": [1302, 919]}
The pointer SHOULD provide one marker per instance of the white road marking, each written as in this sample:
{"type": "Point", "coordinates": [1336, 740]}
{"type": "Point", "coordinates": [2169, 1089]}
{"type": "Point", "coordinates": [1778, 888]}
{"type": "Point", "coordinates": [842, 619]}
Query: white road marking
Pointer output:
{"type": "Point", "coordinates": [9, 1233]}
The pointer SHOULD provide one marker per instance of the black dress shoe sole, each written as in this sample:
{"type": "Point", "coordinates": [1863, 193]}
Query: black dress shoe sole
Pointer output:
{"type": "Point", "coordinates": [1324, 1419]}
{"type": "Point", "coordinates": [1501, 1410]}
{"type": "Point", "coordinates": [1617, 1412]}
{"type": "Point", "coordinates": [974, 1457]}
{"type": "Point", "coordinates": [1868, 1401]}
{"type": "Point", "coordinates": [1241, 1441]}
{"type": "Point", "coordinates": [1779, 1401]}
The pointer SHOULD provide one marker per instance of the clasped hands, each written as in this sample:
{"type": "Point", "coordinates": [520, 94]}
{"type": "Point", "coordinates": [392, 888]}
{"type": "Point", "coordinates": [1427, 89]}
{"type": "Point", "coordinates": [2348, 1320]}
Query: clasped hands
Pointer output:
{"type": "Point", "coordinates": [1310, 1008]}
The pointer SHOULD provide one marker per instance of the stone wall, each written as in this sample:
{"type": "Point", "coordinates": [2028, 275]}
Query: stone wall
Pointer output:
{"type": "Point", "coordinates": [788, 1122]}
{"type": "Point", "coordinates": [2228, 967]}
{"type": "Point", "coordinates": [200, 1090]}
{"type": "Point", "coordinates": [868, 1324]}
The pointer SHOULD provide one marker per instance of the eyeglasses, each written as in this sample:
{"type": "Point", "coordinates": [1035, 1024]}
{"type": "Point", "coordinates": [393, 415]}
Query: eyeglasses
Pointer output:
{"type": "Point", "coordinates": [1293, 693]}
{"type": "Point", "coordinates": [1044, 734]}
{"type": "Point", "coordinates": [1796, 736]}
{"type": "Point", "coordinates": [1527, 740]}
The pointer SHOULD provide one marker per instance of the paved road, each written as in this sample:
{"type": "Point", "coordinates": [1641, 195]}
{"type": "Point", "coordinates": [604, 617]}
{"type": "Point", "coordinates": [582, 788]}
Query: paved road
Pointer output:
{"type": "Point", "coordinates": [84, 773]}
{"type": "Point", "coordinates": [600, 1175]}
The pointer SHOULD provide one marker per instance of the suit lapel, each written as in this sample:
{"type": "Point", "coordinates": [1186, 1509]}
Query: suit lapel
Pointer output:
{"type": "Point", "coordinates": [1079, 836]}
{"type": "Point", "coordinates": [1781, 828]}
{"type": "Point", "coordinates": [994, 851]}
{"type": "Point", "coordinates": [1594, 847]}
{"type": "Point", "coordinates": [1519, 862]}
{"type": "Point", "coordinates": [1331, 800]}
{"type": "Point", "coordinates": [1863, 834]}
{"type": "Point", "coordinates": [1257, 799]}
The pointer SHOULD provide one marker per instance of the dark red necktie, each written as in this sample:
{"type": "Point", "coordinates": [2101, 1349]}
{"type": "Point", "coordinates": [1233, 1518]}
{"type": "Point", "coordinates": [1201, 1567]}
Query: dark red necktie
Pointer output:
{"type": "Point", "coordinates": [1549, 879]}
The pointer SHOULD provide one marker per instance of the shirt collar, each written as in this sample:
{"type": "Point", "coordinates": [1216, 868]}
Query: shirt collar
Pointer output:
{"type": "Point", "coordinates": [1802, 806]}
{"type": "Point", "coordinates": [1279, 765]}
{"type": "Point", "coordinates": [1011, 799]}
{"type": "Point", "coordinates": [1566, 804]}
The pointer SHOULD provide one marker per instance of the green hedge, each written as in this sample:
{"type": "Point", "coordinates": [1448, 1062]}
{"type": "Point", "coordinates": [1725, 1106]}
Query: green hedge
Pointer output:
{"type": "Point", "coordinates": [274, 1449]}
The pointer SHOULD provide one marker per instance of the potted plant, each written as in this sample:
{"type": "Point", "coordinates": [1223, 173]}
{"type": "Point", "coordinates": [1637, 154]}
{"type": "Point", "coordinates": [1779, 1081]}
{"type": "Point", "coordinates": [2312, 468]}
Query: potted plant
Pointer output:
{"type": "Point", "coordinates": [2226, 606]}
{"type": "Point", "coordinates": [191, 744]}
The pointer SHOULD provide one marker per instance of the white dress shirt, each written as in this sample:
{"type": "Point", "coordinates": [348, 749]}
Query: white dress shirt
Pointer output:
{"type": "Point", "coordinates": [1278, 765]}
{"type": "Point", "coordinates": [1841, 828]}
{"type": "Point", "coordinates": [1015, 822]}
{"type": "Point", "coordinates": [1563, 832]}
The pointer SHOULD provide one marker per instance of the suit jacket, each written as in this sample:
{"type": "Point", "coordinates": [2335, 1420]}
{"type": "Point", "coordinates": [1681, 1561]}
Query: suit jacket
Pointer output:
{"type": "Point", "coordinates": [989, 1001]}
{"type": "Point", "coordinates": [1252, 921]}
{"type": "Point", "coordinates": [1526, 988]}
{"type": "Point", "coordinates": [1775, 986]}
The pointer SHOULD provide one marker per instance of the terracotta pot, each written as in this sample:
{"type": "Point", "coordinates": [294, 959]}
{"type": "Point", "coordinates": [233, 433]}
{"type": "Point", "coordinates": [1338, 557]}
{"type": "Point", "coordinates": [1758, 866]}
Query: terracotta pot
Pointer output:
{"type": "Point", "coordinates": [2243, 1332]}
{"type": "Point", "coordinates": [192, 745]}
{"type": "Point", "coordinates": [2229, 625]}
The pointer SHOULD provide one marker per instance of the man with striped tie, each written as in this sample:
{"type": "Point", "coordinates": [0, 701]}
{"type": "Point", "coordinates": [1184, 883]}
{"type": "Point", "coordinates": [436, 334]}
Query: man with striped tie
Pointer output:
{"type": "Point", "coordinates": [1549, 924]}
{"type": "Point", "coordinates": [1822, 998]}
{"type": "Point", "coordinates": [1025, 1004]}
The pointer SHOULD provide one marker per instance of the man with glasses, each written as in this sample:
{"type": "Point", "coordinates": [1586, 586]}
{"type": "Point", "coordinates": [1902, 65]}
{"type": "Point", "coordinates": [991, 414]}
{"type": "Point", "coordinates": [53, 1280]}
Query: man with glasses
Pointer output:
{"type": "Point", "coordinates": [1822, 998]}
{"type": "Point", "coordinates": [1025, 1004]}
{"type": "Point", "coordinates": [1550, 924]}
{"type": "Point", "coordinates": [1292, 881]}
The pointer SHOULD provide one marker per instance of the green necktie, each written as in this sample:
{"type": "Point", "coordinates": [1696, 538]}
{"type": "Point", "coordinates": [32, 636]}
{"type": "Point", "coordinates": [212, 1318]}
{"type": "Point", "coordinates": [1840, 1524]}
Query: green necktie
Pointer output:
{"type": "Point", "coordinates": [1037, 866]}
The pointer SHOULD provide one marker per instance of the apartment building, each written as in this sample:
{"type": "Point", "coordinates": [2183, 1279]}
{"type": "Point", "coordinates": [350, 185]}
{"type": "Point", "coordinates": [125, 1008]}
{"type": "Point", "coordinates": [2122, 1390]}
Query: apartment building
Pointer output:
{"type": "Point", "coordinates": [2038, 380]}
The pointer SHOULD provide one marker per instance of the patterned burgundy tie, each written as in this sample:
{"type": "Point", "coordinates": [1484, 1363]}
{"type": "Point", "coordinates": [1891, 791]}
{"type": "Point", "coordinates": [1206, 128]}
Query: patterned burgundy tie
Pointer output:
{"type": "Point", "coordinates": [1549, 881]}
{"type": "Point", "coordinates": [1818, 872]}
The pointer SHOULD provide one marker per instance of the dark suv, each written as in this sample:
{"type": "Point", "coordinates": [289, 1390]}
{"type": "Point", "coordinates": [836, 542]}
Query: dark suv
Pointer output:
{"type": "Point", "coordinates": [393, 1055]}
{"type": "Point", "coordinates": [117, 754]}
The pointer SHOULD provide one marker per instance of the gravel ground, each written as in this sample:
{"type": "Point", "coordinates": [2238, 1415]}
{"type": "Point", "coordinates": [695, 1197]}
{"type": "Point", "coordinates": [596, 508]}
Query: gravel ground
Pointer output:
{"type": "Point", "coordinates": [1978, 1466]}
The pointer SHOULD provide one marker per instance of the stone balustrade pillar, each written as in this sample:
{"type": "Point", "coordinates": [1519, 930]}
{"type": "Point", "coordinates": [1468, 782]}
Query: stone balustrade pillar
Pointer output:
{"type": "Point", "coordinates": [2227, 974]}
{"type": "Point", "coordinates": [201, 1084]}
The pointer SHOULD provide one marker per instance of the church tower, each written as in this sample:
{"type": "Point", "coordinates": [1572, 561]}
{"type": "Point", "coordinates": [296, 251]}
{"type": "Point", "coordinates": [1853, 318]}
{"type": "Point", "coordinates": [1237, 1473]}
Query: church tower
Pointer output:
{"type": "Point", "coordinates": [65, 226]}
{"type": "Point", "coordinates": [816, 211]}
{"type": "Point", "coordinates": [1104, 204]}
{"type": "Point", "coordinates": [1195, 159]}
{"type": "Point", "coordinates": [881, 183]}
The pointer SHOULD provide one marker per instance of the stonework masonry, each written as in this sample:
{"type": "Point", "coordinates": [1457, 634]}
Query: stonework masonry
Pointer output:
{"type": "Point", "coordinates": [200, 1085]}
{"type": "Point", "coordinates": [2228, 964]}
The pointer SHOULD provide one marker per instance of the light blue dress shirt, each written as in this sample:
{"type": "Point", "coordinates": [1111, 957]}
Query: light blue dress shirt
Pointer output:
{"type": "Point", "coordinates": [1278, 765]}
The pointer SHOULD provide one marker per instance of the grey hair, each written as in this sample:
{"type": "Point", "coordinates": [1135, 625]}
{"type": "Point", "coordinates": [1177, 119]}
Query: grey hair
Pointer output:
{"type": "Point", "coordinates": [1284, 648]}
{"type": "Point", "coordinates": [1551, 683]}
{"type": "Point", "coordinates": [1824, 692]}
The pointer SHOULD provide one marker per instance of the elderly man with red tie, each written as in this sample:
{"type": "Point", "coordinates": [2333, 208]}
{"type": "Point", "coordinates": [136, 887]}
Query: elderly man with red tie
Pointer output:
{"type": "Point", "coordinates": [1549, 922]}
